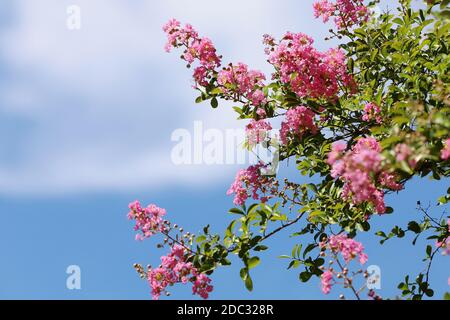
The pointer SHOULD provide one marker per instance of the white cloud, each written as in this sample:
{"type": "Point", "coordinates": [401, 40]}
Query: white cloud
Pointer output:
{"type": "Point", "coordinates": [104, 100]}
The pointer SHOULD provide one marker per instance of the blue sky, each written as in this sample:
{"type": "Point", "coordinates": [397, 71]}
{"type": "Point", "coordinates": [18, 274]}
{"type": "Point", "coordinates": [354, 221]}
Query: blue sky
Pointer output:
{"type": "Point", "coordinates": [85, 124]}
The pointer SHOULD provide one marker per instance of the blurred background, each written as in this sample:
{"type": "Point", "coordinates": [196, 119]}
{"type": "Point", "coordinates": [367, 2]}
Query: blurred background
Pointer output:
{"type": "Point", "coordinates": [86, 118]}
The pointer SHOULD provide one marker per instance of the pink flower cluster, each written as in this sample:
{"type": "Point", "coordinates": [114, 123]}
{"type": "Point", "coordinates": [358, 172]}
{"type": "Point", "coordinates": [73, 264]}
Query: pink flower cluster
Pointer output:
{"type": "Point", "coordinates": [309, 72]}
{"type": "Point", "coordinates": [445, 152]}
{"type": "Point", "coordinates": [197, 49]}
{"type": "Point", "coordinates": [372, 112]}
{"type": "Point", "coordinates": [256, 131]}
{"type": "Point", "coordinates": [202, 286]}
{"type": "Point", "coordinates": [404, 153]}
{"type": "Point", "coordinates": [297, 122]}
{"type": "Point", "coordinates": [326, 280]}
{"type": "Point", "coordinates": [361, 169]}
{"type": "Point", "coordinates": [174, 269]}
{"type": "Point", "coordinates": [348, 248]}
{"type": "Point", "coordinates": [148, 220]}
{"type": "Point", "coordinates": [346, 13]}
{"type": "Point", "coordinates": [247, 83]}
{"type": "Point", "coordinates": [250, 182]}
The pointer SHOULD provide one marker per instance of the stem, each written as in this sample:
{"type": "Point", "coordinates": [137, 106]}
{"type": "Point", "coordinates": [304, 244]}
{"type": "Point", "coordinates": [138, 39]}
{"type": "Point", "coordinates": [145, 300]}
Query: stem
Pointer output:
{"type": "Point", "coordinates": [282, 227]}
{"type": "Point", "coordinates": [348, 281]}
{"type": "Point", "coordinates": [166, 233]}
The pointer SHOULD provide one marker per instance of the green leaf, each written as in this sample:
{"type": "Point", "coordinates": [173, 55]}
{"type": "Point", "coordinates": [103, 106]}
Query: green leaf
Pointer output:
{"type": "Point", "coordinates": [201, 238]}
{"type": "Point", "coordinates": [429, 293]}
{"type": "Point", "coordinates": [253, 262]}
{"type": "Point", "coordinates": [414, 227]}
{"type": "Point", "coordinates": [429, 250]}
{"type": "Point", "coordinates": [309, 248]}
{"type": "Point", "coordinates": [214, 102]}
{"type": "Point", "coordinates": [249, 283]}
{"type": "Point", "coordinates": [305, 276]}
{"type": "Point", "coordinates": [243, 273]}
{"type": "Point", "coordinates": [260, 248]}
{"type": "Point", "coordinates": [236, 211]}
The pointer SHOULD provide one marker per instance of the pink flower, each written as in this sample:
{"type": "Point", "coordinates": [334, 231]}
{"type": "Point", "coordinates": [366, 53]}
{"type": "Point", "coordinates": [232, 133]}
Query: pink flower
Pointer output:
{"type": "Point", "coordinates": [205, 51]}
{"type": "Point", "coordinates": [243, 81]}
{"type": "Point", "coordinates": [200, 50]}
{"type": "Point", "coordinates": [389, 180]}
{"type": "Point", "coordinates": [256, 131]}
{"type": "Point", "coordinates": [324, 9]}
{"type": "Point", "coordinates": [173, 268]}
{"type": "Point", "coordinates": [346, 13]}
{"type": "Point", "coordinates": [298, 121]}
{"type": "Point", "coordinates": [261, 113]}
{"type": "Point", "coordinates": [250, 182]}
{"type": "Point", "coordinates": [445, 152]}
{"type": "Point", "coordinates": [347, 247]}
{"type": "Point", "coordinates": [372, 112]}
{"type": "Point", "coordinates": [326, 281]}
{"type": "Point", "coordinates": [202, 286]}
{"type": "Point", "coordinates": [309, 73]}
{"type": "Point", "coordinates": [158, 280]}
{"type": "Point", "coordinates": [257, 97]}
{"type": "Point", "coordinates": [336, 152]}
{"type": "Point", "coordinates": [201, 76]}
{"type": "Point", "coordinates": [361, 169]}
{"type": "Point", "coordinates": [404, 153]}
{"type": "Point", "coordinates": [148, 220]}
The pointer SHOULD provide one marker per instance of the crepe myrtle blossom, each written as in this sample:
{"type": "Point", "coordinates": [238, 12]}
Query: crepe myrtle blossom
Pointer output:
{"type": "Point", "coordinates": [445, 152]}
{"type": "Point", "coordinates": [149, 220]}
{"type": "Point", "coordinates": [202, 286]}
{"type": "Point", "coordinates": [239, 79]}
{"type": "Point", "coordinates": [196, 50]}
{"type": "Point", "coordinates": [251, 182]}
{"type": "Point", "coordinates": [404, 153]}
{"type": "Point", "coordinates": [309, 72]}
{"type": "Point", "coordinates": [324, 9]}
{"type": "Point", "coordinates": [344, 246]}
{"type": "Point", "coordinates": [297, 122]}
{"type": "Point", "coordinates": [256, 132]}
{"type": "Point", "coordinates": [372, 112]}
{"type": "Point", "coordinates": [347, 247]}
{"type": "Point", "coordinates": [361, 170]}
{"type": "Point", "coordinates": [326, 280]}
{"type": "Point", "coordinates": [346, 13]}
{"type": "Point", "coordinates": [174, 267]}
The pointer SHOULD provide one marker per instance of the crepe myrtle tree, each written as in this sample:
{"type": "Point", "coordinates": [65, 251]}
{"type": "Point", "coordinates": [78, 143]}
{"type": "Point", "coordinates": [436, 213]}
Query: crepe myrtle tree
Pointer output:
{"type": "Point", "coordinates": [360, 120]}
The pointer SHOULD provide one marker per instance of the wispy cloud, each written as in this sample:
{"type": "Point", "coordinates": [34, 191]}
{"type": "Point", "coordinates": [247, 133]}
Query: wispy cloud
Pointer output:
{"type": "Point", "coordinates": [100, 103]}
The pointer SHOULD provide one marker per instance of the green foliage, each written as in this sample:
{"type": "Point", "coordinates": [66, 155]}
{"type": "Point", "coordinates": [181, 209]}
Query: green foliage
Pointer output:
{"type": "Point", "coordinates": [400, 61]}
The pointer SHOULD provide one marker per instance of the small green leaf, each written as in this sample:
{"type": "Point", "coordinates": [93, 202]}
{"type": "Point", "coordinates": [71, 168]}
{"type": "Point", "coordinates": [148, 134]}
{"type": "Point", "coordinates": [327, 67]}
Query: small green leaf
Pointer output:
{"type": "Point", "coordinates": [214, 102]}
{"type": "Point", "coordinates": [249, 283]}
{"type": "Point", "coordinates": [305, 276]}
{"type": "Point", "coordinates": [236, 211]}
{"type": "Point", "coordinates": [260, 248]}
{"type": "Point", "coordinates": [253, 262]}
{"type": "Point", "coordinates": [414, 227]}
